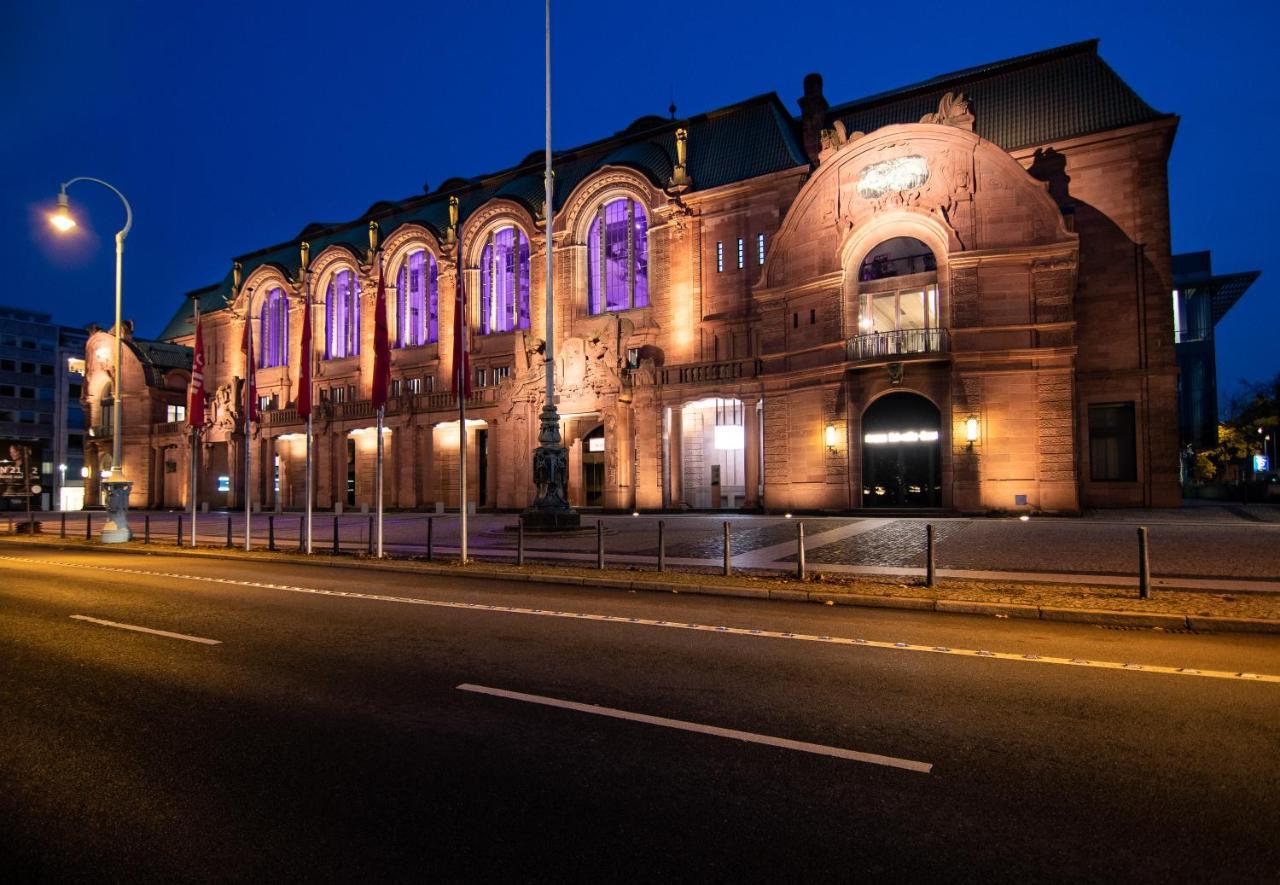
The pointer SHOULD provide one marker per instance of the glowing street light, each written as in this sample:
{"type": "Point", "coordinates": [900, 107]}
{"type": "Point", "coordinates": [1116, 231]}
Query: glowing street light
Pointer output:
{"type": "Point", "coordinates": [116, 530]}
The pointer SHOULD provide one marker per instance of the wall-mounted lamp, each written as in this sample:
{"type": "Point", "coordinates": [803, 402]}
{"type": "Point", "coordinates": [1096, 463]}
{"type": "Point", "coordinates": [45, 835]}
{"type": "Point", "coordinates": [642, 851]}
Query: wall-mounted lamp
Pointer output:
{"type": "Point", "coordinates": [829, 437]}
{"type": "Point", "coordinates": [971, 430]}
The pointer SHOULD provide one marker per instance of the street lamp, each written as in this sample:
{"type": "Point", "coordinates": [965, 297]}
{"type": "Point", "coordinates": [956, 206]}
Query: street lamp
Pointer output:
{"type": "Point", "coordinates": [62, 483]}
{"type": "Point", "coordinates": [116, 530]}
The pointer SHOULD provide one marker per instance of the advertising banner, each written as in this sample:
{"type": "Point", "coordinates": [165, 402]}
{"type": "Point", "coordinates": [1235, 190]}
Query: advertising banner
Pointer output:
{"type": "Point", "coordinates": [16, 458]}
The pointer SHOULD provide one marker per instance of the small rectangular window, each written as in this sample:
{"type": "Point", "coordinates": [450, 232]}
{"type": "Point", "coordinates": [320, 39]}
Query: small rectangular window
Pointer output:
{"type": "Point", "coordinates": [742, 255]}
{"type": "Point", "coordinates": [395, 386]}
{"type": "Point", "coordinates": [480, 376]}
{"type": "Point", "coordinates": [719, 257]}
{"type": "Point", "coordinates": [500, 373]}
{"type": "Point", "coordinates": [795, 321]}
{"type": "Point", "coordinates": [415, 385]}
{"type": "Point", "coordinates": [813, 316]}
{"type": "Point", "coordinates": [760, 249]}
{"type": "Point", "coordinates": [175, 413]}
{"type": "Point", "coordinates": [430, 381]}
{"type": "Point", "coordinates": [1112, 443]}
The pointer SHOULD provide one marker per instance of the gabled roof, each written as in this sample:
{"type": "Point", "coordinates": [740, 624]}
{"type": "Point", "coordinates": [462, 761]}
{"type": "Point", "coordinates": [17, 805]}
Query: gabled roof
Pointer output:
{"type": "Point", "coordinates": [158, 357]}
{"type": "Point", "coordinates": [1030, 100]}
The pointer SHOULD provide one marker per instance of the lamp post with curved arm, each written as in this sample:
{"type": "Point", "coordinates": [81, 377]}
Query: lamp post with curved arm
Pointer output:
{"type": "Point", "coordinates": [116, 530]}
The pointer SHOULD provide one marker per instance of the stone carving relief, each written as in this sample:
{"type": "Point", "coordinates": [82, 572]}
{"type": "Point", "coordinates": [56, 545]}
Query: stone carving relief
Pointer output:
{"type": "Point", "coordinates": [953, 110]}
{"type": "Point", "coordinates": [834, 139]}
{"type": "Point", "coordinates": [939, 183]}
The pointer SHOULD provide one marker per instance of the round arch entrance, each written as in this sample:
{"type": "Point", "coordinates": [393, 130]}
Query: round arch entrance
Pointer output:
{"type": "Point", "coordinates": [901, 452]}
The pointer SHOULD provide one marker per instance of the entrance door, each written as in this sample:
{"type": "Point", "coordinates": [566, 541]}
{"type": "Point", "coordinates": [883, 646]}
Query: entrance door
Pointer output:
{"type": "Point", "coordinates": [593, 468]}
{"type": "Point", "coordinates": [482, 457]}
{"type": "Point", "coordinates": [901, 452]}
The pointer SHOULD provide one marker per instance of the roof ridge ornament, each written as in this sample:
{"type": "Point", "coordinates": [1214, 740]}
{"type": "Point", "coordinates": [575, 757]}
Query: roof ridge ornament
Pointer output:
{"type": "Point", "coordinates": [835, 139]}
{"type": "Point", "coordinates": [953, 110]}
{"type": "Point", "coordinates": [679, 182]}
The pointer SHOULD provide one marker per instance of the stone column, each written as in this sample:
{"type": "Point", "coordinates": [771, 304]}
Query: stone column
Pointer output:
{"type": "Point", "coordinates": [751, 456]}
{"type": "Point", "coordinates": [675, 466]}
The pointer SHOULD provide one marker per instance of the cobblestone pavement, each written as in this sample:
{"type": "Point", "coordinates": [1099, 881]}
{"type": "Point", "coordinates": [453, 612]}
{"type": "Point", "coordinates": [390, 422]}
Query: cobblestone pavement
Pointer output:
{"type": "Point", "coordinates": [1221, 546]}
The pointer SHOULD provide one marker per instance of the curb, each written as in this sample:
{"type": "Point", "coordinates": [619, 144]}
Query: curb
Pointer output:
{"type": "Point", "coordinates": [1099, 617]}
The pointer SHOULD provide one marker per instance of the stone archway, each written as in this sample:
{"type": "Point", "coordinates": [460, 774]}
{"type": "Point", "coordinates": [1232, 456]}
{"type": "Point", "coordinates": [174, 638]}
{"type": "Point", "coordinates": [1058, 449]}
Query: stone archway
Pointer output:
{"type": "Point", "coordinates": [901, 452]}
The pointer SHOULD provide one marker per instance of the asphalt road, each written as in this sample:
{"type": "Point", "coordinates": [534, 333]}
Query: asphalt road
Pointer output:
{"type": "Point", "coordinates": [326, 737]}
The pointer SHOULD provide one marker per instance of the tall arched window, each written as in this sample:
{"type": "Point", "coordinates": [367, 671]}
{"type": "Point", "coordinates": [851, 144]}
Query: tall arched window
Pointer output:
{"type": "Point", "coordinates": [618, 257]}
{"type": "Point", "coordinates": [274, 336]}
{"type": "Point", "coordinates": [342, 316]}
{"type": "Point", "coordinates": [417, 301]}
{"type": "Point", "coordinates": [504, 281]}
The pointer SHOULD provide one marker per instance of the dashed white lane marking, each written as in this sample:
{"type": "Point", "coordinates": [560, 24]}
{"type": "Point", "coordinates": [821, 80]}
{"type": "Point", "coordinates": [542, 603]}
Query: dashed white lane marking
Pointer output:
{"type": "Point", "coordinates": [717, 731]}
{"type": "Point", "coordinates": [135, 628]}
{"type": "Point", "coordinates": [678, 625]}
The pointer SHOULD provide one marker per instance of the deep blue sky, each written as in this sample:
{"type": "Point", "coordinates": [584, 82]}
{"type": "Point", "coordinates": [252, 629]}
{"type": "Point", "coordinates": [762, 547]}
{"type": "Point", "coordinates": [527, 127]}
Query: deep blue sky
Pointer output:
{"type": "Point", "coordinates": [230, 126]}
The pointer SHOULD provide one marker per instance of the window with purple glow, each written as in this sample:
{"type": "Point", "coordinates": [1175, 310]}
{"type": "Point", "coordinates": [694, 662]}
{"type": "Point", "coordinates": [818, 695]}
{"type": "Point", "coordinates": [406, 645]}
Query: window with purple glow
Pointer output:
{"type": "Point", "coordinates": [342, 316]}
{"type": "Point", "coordinates": [417, 301]}
{"type": "Point", "coordinates": [504, 282]}
{"type": "Point", "coordinates": [618, 257]}
{"type": "Point", "coordinates": [273, 347]}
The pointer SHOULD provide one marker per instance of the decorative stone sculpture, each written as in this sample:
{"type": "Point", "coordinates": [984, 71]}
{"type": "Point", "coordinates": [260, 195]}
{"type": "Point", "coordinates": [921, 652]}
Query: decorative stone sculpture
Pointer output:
{"type": "Point", "coordinates": [953, 110]}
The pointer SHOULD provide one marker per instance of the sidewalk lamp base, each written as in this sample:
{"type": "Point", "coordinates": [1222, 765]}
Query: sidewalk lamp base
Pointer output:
{"type": "Point", "coordinates": [117, 531]}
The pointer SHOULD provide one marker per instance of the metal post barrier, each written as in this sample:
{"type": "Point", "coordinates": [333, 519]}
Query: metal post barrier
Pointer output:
{"type": "Point", "coordinates": [801, 568]}
{"type": "Point", "coordinates": [271, 532]}
{"type": "Point", "coordinates": [336, 542]}
{"type": "Point", "coordinates": [662, 545]}
{"type": "Point", "coordinates": [302, 532]}
{"type": "Point", "coordinates": [62, 525]}
{"type": "Point", "coordinates": [369, 550]}
{"type": "Point", "coordinates": [229, 542]}
{"type": "Point", "coordinates": [179, 533]}
{"type": "Point", "coordinates": [146, 528]}
{"type": "Point", "coordinates": [519, 542]}
{"type": "Point", "coordinates": [1144, 565]}
{"type": "Point", "coordinates": [599, 544]}
{"type": "Point", "coordinates": [88, 526]}
{"type": "Point", "coordinates": [431, 524]}
{"type": "Point", "coordinates": [728, 553]}
{"type": "Point", "coordinates": [11, 523]}
{"type": "Point", "coordinates": [930, 561]}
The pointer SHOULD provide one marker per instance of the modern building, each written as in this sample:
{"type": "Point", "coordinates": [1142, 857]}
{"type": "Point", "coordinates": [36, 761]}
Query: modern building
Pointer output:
{"type": "Point", "coordinates": [951, 295]}
{"type": "Point", "coordinates": [1200, 300]}
{"type": "Point", "coordinates": [41, 415]}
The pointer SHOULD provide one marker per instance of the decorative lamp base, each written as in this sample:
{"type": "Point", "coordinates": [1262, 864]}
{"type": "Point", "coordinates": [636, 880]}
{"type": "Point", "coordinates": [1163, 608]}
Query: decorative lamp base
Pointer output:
{"type": "Point", "coordinates": [117, 530]}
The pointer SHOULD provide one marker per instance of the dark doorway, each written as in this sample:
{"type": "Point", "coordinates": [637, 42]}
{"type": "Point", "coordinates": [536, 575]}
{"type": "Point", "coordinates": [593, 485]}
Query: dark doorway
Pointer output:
{"type": "Point", "coordinates": [351, 472]}
{"type": "Point", "coordinates": [593, 467]}
{"type": "Point", "coordinates": [901, 452]}
{"type": "Point", "coordinates": [482, 456]}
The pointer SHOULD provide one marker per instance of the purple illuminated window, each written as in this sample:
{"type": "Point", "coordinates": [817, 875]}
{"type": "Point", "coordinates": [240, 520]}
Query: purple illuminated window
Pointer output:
{"type": "Point", "coordinates": [417, 301]}
{"type": "Point", "coordinates": [342, 316]}
{"type": "Point", "coordinates": [504, 282]}
{"type": "Point", "coordinates": [273, 348]}
{"type": "Point", "coordinates": [618, 257]}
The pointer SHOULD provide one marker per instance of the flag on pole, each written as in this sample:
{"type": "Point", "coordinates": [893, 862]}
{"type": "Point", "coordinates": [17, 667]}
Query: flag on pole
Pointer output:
{"type": "Point", "coordinates": [461, 346]}
{"type": "Point", "coordinates": [250, 387]}
{"type": "Point", "coordinates": [304, 360]}
{"type": "Point", "coordinates": [195, 393]}
{"type": "Point", "coordinates": [381, 344]}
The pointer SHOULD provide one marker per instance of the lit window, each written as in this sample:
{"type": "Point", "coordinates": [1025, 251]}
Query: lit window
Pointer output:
{"type": "Point", "coordinates": [481, 374]}
{"type": "Point", "coordinates": [760, 249]}
{"type": "Point", "coordinates": [719, 257]}
{"type": "Point", "coordinates": [415, 385]}
{"type": "Point", "coordinates": [273, 347]}
{"type": "Point", "coordinates": [618, 257]}
{"type": "Point", "coordinates": [595, 444]}
{"type": "Point", "coordinates": [504, 282]}
{"type": "Point", "coordinates": [395, 386]}
{"type": "Point", "coordinates": [417, 300]}
{"type": "Point", "coordinates": [175, 413]}
{"type": "Point", "coordinates": [742, 259]}
{"type": "Point", "coordinates": [501, 373]}
{"type": "Point", "coordinates": [342, 316]}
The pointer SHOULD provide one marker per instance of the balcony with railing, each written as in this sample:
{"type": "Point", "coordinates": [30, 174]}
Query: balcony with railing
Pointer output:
{"type": "Point", "coordinates": [898, 343]}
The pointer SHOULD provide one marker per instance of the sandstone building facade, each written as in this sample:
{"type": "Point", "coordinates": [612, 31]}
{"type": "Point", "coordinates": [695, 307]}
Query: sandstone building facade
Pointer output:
{"type": "Point", "coordinates": [954, 295]}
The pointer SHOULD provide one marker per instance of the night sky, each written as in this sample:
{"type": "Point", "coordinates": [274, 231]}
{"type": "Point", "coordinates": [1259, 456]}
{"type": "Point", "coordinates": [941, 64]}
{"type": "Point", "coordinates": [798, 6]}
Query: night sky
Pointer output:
{"type": "Point", "coordinates": [231, 126]}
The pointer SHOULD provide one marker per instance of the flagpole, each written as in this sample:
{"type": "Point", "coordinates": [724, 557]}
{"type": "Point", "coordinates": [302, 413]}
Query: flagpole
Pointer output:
{"type": "Point", "coordinates": [462, 436]}
{"type": "Point", "coordinates": [381, 411]}
{"type": "Point", "coordinates": [248, 412]}
{"type": "Point", "coordinates": [309, 471]}
{"type": "Point", "coordinates": [310, 358]}
{"type": "Point", "coordinates": [195, 443]}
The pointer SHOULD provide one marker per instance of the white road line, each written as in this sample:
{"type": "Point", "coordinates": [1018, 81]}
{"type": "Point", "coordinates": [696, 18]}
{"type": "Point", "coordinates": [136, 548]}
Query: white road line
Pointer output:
{"type": "Point", "coordinates": [1129, 667]}
{"type": "Point", "coordinates": [138, 629]}
{"type": "Point", "coordinates": [681, 725]}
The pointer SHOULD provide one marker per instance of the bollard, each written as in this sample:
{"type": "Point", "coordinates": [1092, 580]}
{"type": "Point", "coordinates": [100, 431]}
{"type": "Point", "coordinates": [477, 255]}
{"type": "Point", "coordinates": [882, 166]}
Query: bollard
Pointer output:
{"type": "Point", "coordinates": [1144, 565]}
{"type": "Point", "coordinates": [271, 532]}
{"type": "Point", "coordinates": [62, 525]}
{"type": "Point", "coordinates": [728, 553]}
{"type": "Point", "coordinates": [229, 542]}
{"type": "Point", "coordinates": [11, 523]}
{"type": "Point", "coordinates": [369, 549]}
{"type": "Point", "coordinates": [662, 546]}
{"type": "Point", "coordinates": [302, 531]}
{"type": "Point", "coordinates": [88, 526]}
{"type": "Point", "coordinates": [431, 521]}
{"type": "Point", "coordinates": [930, 561]}
{"type": "Point", "coordinates": [336, 542]}
{"type": "Point", "coordinates": [180, 530]}
{"type": "Point", "coordinates": [599, 544]}
{"type": "Point", "coordinates": [519, 542]}
{"type": "Point", "coordinates": [146, 529]}
{"type": "Point", "coordinates": [801, 569]}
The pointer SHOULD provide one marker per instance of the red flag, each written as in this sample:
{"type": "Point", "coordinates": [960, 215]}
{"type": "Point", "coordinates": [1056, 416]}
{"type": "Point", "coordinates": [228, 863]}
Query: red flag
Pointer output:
{"type": "Point", "coordinates": [195, 393]}
{"type": "Point", "coordinates": [461, 346]}
{"type": "Point", "coordinates": [250, 387]}
{"type": "Point", "coordinates": [381, 344]}
{"type": "Point", "coordinates": [304, 359]}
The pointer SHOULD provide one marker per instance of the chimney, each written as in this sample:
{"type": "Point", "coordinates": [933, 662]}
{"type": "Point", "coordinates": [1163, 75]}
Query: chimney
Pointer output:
{"type": "Point", "coordinates": [813, 113]}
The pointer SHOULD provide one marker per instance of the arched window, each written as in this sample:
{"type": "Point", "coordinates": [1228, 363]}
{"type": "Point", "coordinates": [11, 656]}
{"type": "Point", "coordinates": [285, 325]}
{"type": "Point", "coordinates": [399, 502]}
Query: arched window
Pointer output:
{"type": "Point", "coordinates": [618, 257]}
{"type": "Point", "coordinates": [504, 282]}
{"type": "Point", "coordinates": [273, 348]}
{"type": "Point", "coordinates": [898, 301]}
{"type": "Point", "coordinates": [342, 316]}
{"type": "Point", "coordinates": [417, 301]}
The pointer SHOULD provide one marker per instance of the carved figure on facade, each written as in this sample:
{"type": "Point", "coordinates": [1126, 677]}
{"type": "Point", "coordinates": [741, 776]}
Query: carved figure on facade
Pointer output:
{"type": "Point", "coordinates": [550, 470]}
{"type": "Point", "coordinates": [953, 110]}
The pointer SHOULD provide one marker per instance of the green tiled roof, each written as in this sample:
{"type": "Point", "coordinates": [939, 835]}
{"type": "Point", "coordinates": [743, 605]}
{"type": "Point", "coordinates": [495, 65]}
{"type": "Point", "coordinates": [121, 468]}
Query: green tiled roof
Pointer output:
{"type": "Point", "coordinates": [1030, 100]}
{"type": "Point", "coordinates": [157, 357]}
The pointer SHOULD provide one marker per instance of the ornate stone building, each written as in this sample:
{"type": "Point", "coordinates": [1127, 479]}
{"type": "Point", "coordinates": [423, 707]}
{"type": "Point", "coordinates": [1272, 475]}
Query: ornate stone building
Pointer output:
{"type": "Point", "coordinates": [952, 295]}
